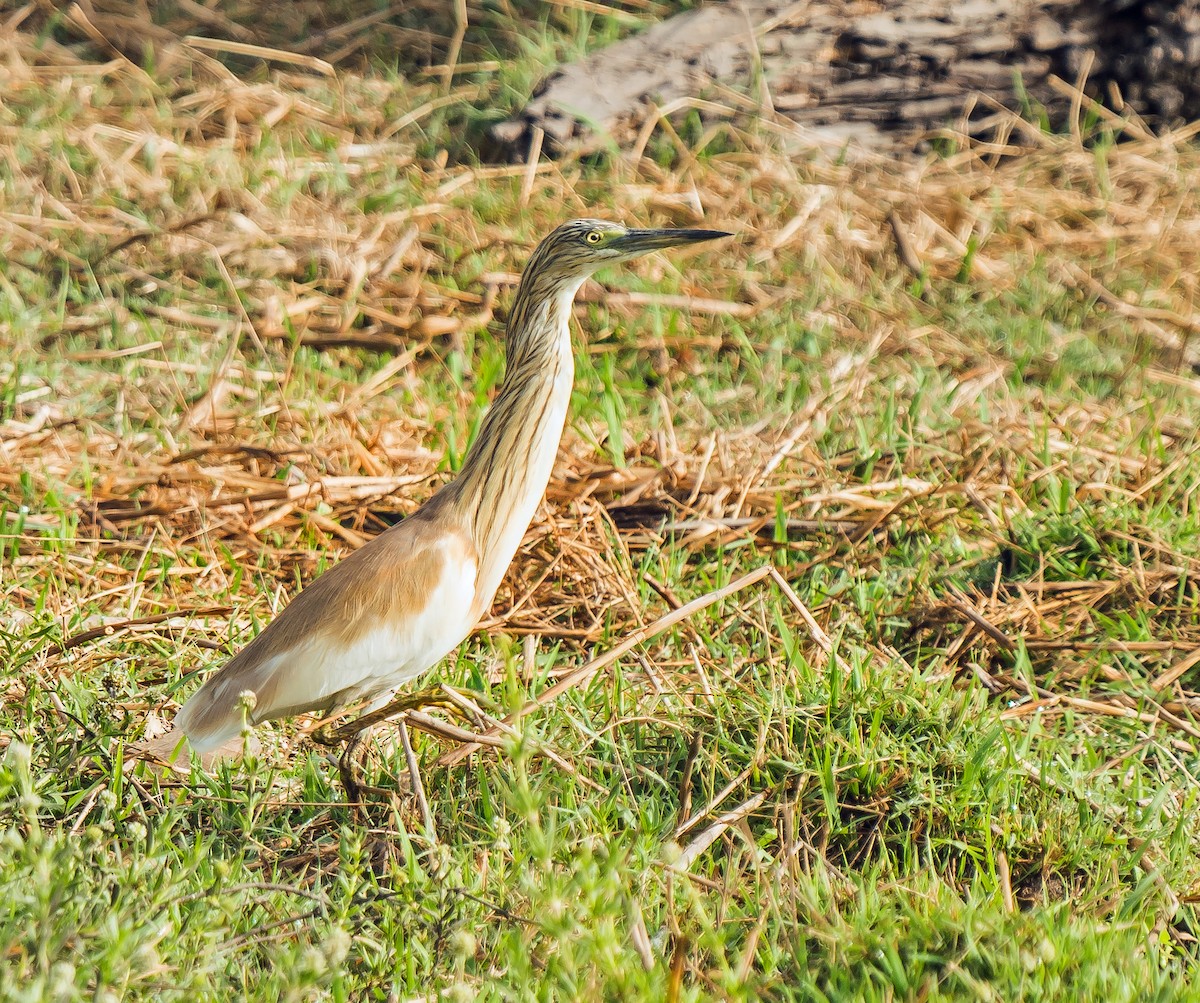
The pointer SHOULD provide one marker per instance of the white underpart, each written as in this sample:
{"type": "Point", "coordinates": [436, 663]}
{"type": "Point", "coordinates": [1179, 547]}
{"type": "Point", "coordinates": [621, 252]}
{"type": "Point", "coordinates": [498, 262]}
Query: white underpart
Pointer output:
{"type": "Point", "coordinates": [380, 659]}
{"type": "Point", "coordinates": [388, 654]}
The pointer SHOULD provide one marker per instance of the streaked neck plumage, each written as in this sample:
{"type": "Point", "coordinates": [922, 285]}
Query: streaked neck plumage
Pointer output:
{"type": "Point", "coordinates": [505, 473]}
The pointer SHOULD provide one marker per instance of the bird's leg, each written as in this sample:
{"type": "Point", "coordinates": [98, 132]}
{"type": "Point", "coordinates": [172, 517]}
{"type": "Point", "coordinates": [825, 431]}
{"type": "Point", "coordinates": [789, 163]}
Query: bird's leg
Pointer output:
{"type": "Point", "coordinates": [351, 735]}
{"type": "Point", "coordinates": [430, 697]}
{"type": "Point", "coordinates": [349, 774]}
{"type": "Point", "coordinates": [418, 788]}
{"type": "Point", "coordinates": [350, 782]}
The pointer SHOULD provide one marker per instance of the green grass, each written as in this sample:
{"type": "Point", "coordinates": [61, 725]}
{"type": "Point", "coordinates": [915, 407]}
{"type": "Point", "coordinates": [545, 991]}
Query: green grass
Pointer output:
{"type": "Point", "coordinates": [930, 814]}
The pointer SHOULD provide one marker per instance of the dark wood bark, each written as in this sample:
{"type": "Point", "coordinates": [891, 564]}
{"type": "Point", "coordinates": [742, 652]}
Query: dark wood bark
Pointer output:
{"type": "Point", "coordinates": [876, 73]}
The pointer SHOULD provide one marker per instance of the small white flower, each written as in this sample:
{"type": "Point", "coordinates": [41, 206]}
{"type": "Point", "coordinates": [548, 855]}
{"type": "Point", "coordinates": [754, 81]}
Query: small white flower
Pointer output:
{"type": "Point", "coordinates": [19, 755]}
{"type": "Point", "coordinates": [460, 992]}
{"type": "Point", "coordinates": [462, 944]}
{"type": "Point", "coordinates": [314, 960]}
{"type": "Point", "coordinates": [62, 980]}
{"type": "Point", "coordinates": [337, 945]}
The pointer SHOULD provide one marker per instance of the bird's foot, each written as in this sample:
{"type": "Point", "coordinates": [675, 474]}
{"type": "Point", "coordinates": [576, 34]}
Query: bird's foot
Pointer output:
{"type": "Point", "coordinates": [350, 782]}
{"type": "Point", "coordinates": [351, 734]}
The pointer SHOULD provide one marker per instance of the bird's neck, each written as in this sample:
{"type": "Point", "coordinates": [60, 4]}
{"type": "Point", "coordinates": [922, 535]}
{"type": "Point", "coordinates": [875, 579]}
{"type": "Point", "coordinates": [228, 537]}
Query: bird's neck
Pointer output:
{"type": "Point", "coordinates": [506, 470]}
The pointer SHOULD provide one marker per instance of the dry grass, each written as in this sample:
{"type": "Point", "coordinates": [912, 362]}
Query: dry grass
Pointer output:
{"type": "Point", "coordinates": [246, 260]}
{"type": "Point", "coordinates": [243, 260]}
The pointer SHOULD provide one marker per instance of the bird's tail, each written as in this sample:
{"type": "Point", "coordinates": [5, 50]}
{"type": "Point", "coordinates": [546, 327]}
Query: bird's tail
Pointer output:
{"type": "Point", "coordinates": [209, 720]}
{"type": "Point", "coordinates": [174, 749]}
{"type": "Point", "coordinates": [169, 748]}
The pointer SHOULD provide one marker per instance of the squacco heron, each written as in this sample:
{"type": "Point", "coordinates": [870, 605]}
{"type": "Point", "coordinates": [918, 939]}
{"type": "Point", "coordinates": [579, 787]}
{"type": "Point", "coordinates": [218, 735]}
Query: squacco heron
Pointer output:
{"type": "Point", "coordinates": [397, 606]}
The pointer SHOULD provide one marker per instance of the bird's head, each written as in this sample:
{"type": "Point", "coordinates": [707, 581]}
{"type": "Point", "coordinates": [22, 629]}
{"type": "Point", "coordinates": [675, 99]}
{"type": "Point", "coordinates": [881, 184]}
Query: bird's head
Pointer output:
{"type": "Point", "coordinates": [578, 248]}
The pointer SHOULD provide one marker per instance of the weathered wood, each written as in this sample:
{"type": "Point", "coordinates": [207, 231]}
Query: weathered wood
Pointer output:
{"type": "Point", "coordinates": [880, 73]}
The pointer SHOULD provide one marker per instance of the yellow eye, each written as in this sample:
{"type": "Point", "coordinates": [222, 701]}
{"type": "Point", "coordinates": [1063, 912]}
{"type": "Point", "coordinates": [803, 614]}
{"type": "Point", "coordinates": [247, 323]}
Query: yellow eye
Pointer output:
{"type": "Point", "coordinates": [593, 237]}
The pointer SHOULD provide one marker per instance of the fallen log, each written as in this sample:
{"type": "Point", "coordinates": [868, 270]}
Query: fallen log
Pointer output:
{"type": "Point", "coordinates": [877, 74]}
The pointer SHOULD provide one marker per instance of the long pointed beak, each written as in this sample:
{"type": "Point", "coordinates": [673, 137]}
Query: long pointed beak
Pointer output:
{"type": "Point", "coordinates": [641, 241]}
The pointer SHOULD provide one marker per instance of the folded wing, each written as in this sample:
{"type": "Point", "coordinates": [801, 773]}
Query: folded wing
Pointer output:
{"type": "Point", "coordinates": [375, 620]}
